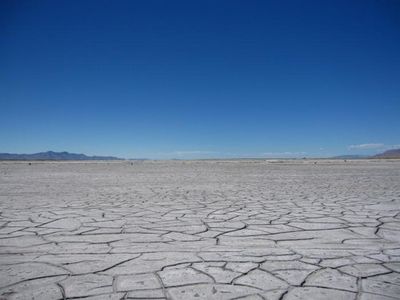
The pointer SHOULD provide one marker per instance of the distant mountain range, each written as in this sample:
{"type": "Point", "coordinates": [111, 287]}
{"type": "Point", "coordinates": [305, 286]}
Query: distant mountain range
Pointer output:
{"type": "Point", "coordinates": [51, 155]}
{"type": "Point", "coordinates": [393, 153]}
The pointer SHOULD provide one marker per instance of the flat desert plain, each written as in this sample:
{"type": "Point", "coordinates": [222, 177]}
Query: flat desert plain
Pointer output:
{"type": "Point", "coordinates": [245, 229]}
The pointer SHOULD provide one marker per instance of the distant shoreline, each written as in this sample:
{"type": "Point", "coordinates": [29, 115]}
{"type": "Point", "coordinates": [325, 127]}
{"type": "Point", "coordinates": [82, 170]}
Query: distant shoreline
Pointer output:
{"type": "Point", "coordinates": [66, 156]}
{"type": "Point", "coordinates": [270, 160]}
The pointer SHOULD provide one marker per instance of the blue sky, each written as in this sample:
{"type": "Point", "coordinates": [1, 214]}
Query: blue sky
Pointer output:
{"type": "Point", "coordinates": [193, 79]}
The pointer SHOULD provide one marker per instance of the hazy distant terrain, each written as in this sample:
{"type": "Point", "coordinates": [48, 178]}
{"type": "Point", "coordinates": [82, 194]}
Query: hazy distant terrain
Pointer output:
{"type": "Point", "coordinates": [350, 156]}
{"type": "Point", "coordinates": [61, 156]}
{"type": "Point", "coordinates": [200, 230]}
{"type": "Point", "coordinates": [394, 153]}
{"type": "Point", "coordinates": [51, 155]}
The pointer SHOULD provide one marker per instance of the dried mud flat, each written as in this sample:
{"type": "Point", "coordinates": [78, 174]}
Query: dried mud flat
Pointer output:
{"type": "Point", "coordinates": [200, 230]}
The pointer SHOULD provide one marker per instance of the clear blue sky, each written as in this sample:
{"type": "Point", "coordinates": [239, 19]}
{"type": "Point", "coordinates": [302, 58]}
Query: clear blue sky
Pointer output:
{"type": "Point", "coordinates": [184, 79]}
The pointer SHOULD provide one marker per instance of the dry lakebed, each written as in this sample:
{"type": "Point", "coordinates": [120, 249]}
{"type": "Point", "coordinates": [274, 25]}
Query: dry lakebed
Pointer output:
{"type": "Point", "coordinates": [212, 229]}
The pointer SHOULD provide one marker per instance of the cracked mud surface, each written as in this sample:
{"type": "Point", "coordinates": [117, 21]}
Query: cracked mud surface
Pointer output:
{"type": "Point", "coordinates": [200, 230]}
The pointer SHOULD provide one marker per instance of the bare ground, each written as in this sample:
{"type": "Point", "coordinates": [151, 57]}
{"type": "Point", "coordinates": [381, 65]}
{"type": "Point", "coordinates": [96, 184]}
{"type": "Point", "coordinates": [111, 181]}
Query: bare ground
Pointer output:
{"type": "Point", "coordinates": [200, 230]}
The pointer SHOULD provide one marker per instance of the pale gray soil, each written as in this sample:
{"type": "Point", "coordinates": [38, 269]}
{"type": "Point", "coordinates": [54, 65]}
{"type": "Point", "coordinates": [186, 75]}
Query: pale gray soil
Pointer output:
{"type": "Point", "coordinates": [200, 230]}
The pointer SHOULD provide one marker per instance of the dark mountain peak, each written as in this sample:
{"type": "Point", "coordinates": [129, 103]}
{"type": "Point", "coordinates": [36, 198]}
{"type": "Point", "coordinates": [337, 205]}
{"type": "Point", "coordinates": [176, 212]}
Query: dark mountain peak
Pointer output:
{"type": "Point", "coordinates": [52, 155]}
